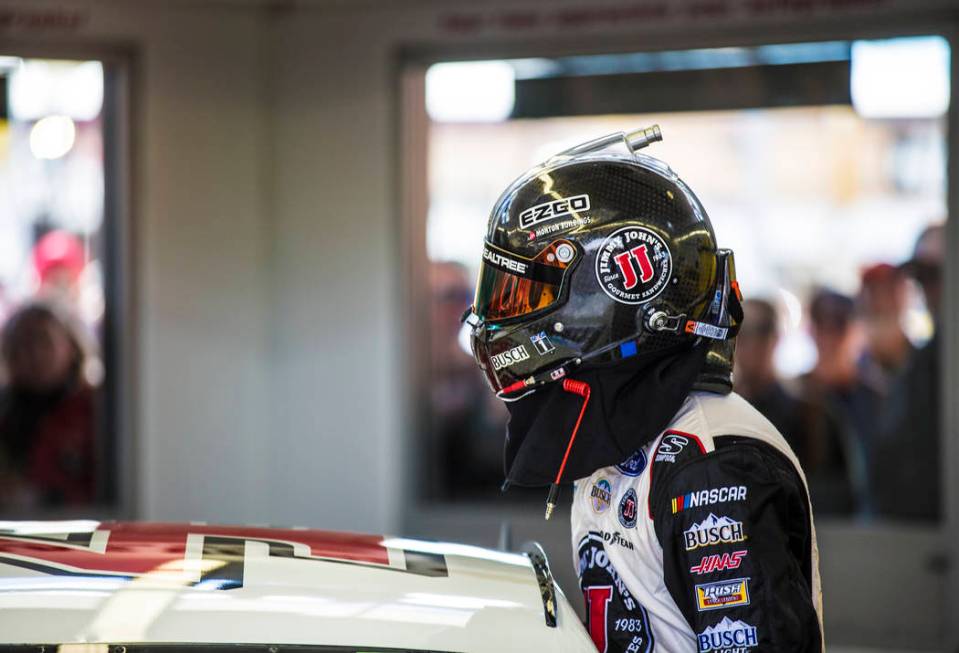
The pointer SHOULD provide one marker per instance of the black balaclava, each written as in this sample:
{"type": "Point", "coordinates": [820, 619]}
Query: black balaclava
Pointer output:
{"type": "Point", "coordinates": [631, 402]}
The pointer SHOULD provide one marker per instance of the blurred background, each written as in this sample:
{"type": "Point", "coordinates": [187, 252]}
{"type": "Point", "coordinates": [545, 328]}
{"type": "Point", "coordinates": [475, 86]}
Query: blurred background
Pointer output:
{"type": "Point", "coordinates": [237, 238]}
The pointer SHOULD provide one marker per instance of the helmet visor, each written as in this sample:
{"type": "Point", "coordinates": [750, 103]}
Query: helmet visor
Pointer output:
{"type": "Point", "coordinates": [511, 286]}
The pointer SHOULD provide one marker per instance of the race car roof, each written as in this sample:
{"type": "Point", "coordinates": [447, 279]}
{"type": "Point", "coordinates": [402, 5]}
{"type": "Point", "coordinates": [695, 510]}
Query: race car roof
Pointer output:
{"type": "Point", "coordinates": [114, 582]}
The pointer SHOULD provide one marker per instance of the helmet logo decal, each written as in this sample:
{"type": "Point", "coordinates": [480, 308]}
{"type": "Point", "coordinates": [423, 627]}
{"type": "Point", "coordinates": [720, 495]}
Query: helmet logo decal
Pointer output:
{"type": "Point", "coordinates": [503, 262]}
{"type": "Point", "coordinates": [509, 357]}
{"type": "Point", "coordinates": [549, 210]}
{"type": "Point", "coordinates": [625, 260]}
{"type": "Point", "coordinates": [633, 265]}
{"type": "Point", "coordinates": [542, 343]}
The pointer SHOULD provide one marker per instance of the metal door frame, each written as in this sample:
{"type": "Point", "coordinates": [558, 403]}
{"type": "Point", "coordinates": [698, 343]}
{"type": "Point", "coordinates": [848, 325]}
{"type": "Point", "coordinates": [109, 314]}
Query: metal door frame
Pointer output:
{"type": "Point", "coordinates": [119, 223]}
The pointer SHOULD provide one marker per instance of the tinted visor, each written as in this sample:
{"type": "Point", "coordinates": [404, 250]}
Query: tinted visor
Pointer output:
{"type": "Point", "coordinates": [512, 286]}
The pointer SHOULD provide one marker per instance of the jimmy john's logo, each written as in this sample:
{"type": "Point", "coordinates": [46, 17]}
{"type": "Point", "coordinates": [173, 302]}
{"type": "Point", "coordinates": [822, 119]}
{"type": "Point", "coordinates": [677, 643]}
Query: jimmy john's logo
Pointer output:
{"type": "Point", "coordinates": [550, 210]}
{"type": "Point", "coordinates": [713, 530]}
{"type": "Point", "coordinates": [506, 263]}
{"type": "Point", "coordinates": [722, 594]}
{"type": "Point", "coordinates": [633, 265]}
{"type": "Point", "coordinates": [509, 357]}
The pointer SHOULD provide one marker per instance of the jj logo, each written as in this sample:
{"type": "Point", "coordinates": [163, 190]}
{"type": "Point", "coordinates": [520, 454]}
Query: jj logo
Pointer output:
{"type": "Point", "coordinates": [625, 260]}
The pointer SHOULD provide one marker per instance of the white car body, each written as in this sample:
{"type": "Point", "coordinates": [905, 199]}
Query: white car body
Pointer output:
{"type": "Point", "coordinates": [79, 583]}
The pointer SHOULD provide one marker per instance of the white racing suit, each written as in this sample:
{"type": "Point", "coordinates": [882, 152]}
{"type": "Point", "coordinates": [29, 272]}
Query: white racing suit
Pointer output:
{"type": "Point", "coordinates": [701, 541]}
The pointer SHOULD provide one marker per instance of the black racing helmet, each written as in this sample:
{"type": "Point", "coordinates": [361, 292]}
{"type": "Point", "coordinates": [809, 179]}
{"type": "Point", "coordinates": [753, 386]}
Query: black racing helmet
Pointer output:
{"type": "Point", "coordinates": [597, 255]}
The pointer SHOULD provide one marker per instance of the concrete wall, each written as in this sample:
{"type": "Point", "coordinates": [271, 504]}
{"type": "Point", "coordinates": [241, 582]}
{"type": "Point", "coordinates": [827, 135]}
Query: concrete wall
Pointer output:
{"type": "Point", "coordinates": [201, 243]}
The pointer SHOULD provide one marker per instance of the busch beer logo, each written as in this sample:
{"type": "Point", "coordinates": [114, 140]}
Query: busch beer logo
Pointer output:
{"type": "Point", "coordinates": [509, 357]}
{"type": "Point", "coordinates": [709, 497]}
{"type": "Point", "coordinates": [671, 446]}
{"type": "Point", "coordinates": [723, 594]}
{"type": "Point", "coordinates": [717, 562]}
{"type": "Point", "coordinates": [503, 262]}
{"type": "Point", "coordinates": [727, 636]}
{"type": "Point", "coordinates": [713, 530]}
{"type": "Point", "coordinates": [600, 495]}
{"type": "Point", "coordinates": [633, 265]}
{"type": "Point", "coordinates": [550, 210]}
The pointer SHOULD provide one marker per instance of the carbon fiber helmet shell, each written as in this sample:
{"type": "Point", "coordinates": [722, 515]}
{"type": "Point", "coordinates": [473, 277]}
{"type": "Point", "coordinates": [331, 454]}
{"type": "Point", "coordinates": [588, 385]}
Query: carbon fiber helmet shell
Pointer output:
{"type": "Point", "coordinates": [631, 247]}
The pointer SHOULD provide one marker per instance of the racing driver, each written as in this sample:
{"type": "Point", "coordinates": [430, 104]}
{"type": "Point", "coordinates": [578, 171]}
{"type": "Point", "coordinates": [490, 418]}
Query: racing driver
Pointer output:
{"type": "Point", "coordinates": [604, 316]}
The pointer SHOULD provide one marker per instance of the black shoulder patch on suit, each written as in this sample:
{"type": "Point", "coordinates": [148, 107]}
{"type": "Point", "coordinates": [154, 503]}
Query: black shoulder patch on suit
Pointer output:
{"type": "Point", "coordinates": [736, 534]}
{"type": "Point", "coordinates": [674, 450]}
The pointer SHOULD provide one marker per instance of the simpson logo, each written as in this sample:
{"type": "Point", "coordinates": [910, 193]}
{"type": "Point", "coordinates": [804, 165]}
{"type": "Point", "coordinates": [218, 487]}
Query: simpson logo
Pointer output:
{"type": "Point", "coordinates": [727, 636]}
{"type": "Point", "coordinates": [633, 265]}
{"type": "Point", "coordinates": [600, 495]}
{"type": "Point", "coordinates": [716, 562]}
{"type": "Point", "coordinates": [722, 594]}
{"type": "Point", "coordinates": [504, 262]}
{"type": "Point", "coordinates": [671, 446]}
{"type": "Point", "coordinates": [713, 530]}
{"type": "Point", "coordinates": [709, 497]}
{"type": "Point", "coordinates": [550, 210]}
{"type": "Point", "coordinates": [509, 357]}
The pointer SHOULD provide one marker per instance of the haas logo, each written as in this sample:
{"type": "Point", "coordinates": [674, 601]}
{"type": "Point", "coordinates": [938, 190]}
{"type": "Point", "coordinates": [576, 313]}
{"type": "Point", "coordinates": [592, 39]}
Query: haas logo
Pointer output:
{"type": "Point", "coordinates": [633, 265]}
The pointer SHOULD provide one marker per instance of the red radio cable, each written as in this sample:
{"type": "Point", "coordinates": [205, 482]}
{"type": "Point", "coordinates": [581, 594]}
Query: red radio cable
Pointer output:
{"type": "Point", "coordinates": [580, 388]}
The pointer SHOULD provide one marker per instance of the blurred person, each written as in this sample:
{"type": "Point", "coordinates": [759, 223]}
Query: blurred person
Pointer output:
{"type": "Point", "coordinates": [881, 305]}
{"type": "Point", "coordinates": [755, 375]}
{"type": "Point", "coordinates": [605, 318]}
{"type": "Point", "coordinates": [812, 431]}
{"type": "Point", "coordinates": [46, 411]}
{"type": "Point", "coordinates": [467, 430]}
{"type": "Point", "coordinates": [905, 472]}
{"type": "Point", "coordinates": [58, 261]}
{"type": "Point", "coordinates": [843, 406]}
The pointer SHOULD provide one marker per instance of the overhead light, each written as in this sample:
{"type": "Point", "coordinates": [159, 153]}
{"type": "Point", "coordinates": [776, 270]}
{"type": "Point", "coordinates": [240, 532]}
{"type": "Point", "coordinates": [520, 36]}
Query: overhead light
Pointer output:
{"type": "Point", "coordinates": [900, 78]}
{"type": "Point", "coordinates": [52, 137]}
{"type": "Point", "coordinates": [480, 91]}
{"type": "Point", "coordinates": [40, 88]}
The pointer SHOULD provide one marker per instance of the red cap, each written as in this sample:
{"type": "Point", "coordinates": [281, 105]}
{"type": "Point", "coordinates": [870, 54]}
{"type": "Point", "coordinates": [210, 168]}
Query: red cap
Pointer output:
{"type": "Point", "coordinates": [58, 250]}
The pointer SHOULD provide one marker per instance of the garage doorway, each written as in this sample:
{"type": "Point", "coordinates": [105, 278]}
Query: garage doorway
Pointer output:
{"type": "Point", "coordinates": [821, 180]}
{"type": "Point", "coordinates": [64, 285]}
